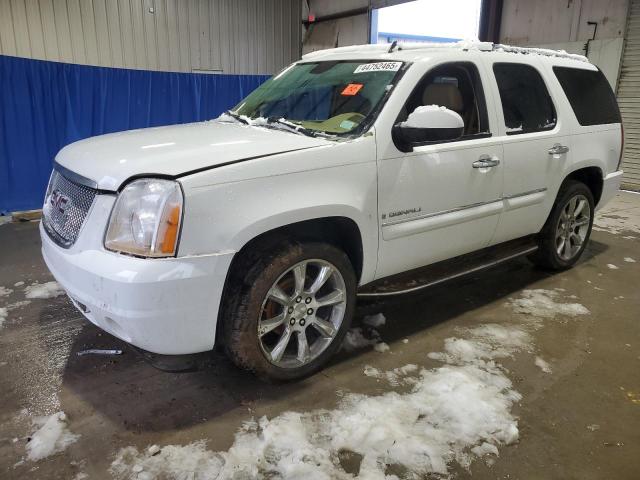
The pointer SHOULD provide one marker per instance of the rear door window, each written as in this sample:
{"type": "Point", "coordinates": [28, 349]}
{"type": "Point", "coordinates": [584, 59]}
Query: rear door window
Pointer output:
{"type": "Point", "coordinates": [589, 94]}
{"type": "Point", "coordinates": [526, 103]}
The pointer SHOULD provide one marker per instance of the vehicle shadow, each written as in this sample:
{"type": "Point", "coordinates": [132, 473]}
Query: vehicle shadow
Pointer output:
{"type": "Point", "coordinates": [129, 391]}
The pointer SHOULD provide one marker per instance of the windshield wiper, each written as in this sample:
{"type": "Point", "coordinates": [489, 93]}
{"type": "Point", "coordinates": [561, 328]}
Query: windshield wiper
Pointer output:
{"type": "Point", "coordinates": [295, 128]}
{"type": "Point", "coordinates": [236, 117]}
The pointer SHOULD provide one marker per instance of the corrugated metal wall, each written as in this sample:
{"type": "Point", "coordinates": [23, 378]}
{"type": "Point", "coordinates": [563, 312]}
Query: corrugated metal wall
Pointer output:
{"type": "Point", "coordinates": [230, 36]}
{"type": "Point", "coordinates": [629, 99]}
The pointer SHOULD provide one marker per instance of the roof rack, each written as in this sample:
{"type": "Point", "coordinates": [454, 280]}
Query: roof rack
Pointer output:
{"type": "Point", "coordinates": [464, 45]}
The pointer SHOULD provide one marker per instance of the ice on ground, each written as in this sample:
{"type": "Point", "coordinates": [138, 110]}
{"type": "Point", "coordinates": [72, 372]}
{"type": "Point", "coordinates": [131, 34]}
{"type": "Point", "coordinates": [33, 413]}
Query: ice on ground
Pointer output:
{"type": "Point", "coordinates": [356, 339]}
{"type": "Point", "coordinates": [484, 343]}
{"type": "Point", "coordinates": [616, 222]}
{"type": "Point", "coordinates": [4, 291]}
{"type": "Point", "coordinates": [611, 266]}
{"type": "Point", "coordinates": [374, 321]}
{"type": "Point", "coordinates": [629, 260]}
{"type": "Point", "coordinates": [400, 375]}
{"type": "Point", "coordinates": [381, 347]}
{"type": "Point", "coordinates": [52, 436]}
{"type": "Point", "coordinates": [543, 303]}
{"type": "Point", "coordinates": [395, 377]}
{"type": "Point", "coordinates": [452, 414]}
{"type": "Point", "coordinates": [44, 290]}
{"type": "Point", "coordinates": [485, 449]}
{"type": "Point", "coordinates": [370, 371]}
{"type": "Point", "coordinates": [542, 365]}
{"type": "Point", "coordinates": [172, 462]}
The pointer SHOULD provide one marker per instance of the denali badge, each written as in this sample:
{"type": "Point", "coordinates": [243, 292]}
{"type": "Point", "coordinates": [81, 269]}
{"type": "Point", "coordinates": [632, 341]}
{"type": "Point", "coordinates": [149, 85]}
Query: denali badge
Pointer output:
{"type": "Point", "coordinates": [403, 212]}
{"type": "Point", "coordinates": [58, 200]}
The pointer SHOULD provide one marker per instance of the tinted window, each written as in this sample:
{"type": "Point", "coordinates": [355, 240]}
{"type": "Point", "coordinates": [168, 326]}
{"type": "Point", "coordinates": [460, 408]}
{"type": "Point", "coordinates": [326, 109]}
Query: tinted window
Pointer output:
{"type": "Point", "coordinates": [457, 87]}
{"type": "Point", "coordinates": [526, 103]}
{"type": "Point", "coordinates": [589, 94]}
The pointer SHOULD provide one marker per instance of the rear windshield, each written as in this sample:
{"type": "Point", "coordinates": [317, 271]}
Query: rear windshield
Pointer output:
{"type": "Point", "coordinates": [589, 94]}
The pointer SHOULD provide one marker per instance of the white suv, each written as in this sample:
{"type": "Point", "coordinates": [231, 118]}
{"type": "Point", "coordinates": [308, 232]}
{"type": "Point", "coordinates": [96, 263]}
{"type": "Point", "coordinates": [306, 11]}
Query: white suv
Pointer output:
{"type": "Point", "coordinates": [334, 179]}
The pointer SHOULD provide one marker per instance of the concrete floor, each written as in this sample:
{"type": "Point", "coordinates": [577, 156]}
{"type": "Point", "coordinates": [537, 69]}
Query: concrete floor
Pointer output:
{"type": "Point", "coordinates": [114, 402]}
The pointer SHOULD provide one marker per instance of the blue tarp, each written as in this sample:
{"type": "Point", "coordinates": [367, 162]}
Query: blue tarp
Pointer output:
{"type": "Point", "coordinates": [47, 105]}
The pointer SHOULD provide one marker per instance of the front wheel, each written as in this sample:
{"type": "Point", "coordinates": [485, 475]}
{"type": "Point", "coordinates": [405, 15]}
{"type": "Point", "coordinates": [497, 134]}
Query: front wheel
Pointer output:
{"type": "Point", "coordinates": [291, 311]}
{"type": "Point", "coordinates": [568, 228]}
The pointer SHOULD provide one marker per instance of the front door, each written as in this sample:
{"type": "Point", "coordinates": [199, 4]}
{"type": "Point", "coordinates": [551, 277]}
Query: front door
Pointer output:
{"type": "Point", "coordinates": [441, 200]}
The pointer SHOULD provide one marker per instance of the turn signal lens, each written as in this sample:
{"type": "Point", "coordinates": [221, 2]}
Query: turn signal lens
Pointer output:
{"type": "Point", "coordinates": [170, 234]}
{"type": "Point", "coordinates": [146, 219]}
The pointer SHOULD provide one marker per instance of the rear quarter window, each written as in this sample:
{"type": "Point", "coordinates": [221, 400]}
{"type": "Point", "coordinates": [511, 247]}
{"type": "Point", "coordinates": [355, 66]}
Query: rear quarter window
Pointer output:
{"type": "Point", "coordinates": [589, 94]}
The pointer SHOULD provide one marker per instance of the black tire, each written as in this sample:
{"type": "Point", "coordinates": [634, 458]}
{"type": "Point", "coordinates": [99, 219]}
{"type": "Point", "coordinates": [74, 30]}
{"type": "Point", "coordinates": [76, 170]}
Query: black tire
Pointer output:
{"type": "Point", "coordinates": [248, 286]}
{"type": "Point", "coordinates": [547, 255]}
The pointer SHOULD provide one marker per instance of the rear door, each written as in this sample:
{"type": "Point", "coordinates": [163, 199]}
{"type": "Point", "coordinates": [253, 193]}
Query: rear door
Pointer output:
{"type": "Point", "coordinates": [536, 142]}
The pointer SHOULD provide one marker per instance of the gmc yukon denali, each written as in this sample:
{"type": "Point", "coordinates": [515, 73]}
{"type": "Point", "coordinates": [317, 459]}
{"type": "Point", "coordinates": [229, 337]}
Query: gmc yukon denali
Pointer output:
{"type": "Point", "coordinates": [345, 175]}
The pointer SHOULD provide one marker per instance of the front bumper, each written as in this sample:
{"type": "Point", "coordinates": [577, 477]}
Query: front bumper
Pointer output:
{"type": "Point", "coordinates": [165, 306]}
{"type": "Point", "coordinates": [610, 186]}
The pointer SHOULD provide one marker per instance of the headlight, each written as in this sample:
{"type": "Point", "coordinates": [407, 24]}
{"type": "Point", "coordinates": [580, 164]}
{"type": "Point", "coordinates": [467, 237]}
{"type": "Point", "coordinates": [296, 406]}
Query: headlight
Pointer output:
{"type": "Point", "coordinates": [146, 219]}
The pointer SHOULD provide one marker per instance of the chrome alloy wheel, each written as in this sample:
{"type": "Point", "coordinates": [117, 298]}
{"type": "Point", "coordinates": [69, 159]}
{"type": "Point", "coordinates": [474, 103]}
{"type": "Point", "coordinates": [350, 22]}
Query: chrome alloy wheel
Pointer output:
{"type": "Point", "coordinates": [573, 227]}
{"type": "Point", "coordinates": [302, 313]}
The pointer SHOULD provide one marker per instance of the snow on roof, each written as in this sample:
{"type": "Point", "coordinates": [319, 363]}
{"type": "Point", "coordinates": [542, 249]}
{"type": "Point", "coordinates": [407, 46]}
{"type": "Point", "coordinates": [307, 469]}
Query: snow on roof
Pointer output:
{"type": "Point", "coordinates": [464, 45]}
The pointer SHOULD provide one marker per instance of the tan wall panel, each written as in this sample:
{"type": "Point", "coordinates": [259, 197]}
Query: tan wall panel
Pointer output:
{"type": "Point", "coordinates": [229, 36]}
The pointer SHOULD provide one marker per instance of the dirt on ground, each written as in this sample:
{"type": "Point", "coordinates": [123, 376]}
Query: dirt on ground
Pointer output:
{"type": "Point", "coordinates": [579, 377]}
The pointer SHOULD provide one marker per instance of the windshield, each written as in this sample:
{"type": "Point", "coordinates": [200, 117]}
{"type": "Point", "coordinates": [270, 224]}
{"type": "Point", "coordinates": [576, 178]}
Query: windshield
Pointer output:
{"type": "Point", "coordinates": [332, 97]}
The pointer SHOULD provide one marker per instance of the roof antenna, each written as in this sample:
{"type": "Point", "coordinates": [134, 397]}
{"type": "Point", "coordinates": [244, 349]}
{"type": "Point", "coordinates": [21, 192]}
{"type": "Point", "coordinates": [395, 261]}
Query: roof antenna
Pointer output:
{"type": "Point", "coordinates": [393, 45]}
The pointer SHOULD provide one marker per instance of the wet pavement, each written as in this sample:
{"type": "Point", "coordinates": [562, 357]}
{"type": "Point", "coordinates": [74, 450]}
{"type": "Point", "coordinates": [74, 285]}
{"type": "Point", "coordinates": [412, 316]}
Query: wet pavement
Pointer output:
{"type": "Point", "coordinates": [580, 421]}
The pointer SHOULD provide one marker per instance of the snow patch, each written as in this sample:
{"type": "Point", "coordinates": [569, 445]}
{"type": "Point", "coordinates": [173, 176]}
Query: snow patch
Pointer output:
{"type": "Point", "coordinates": [172, 462]}
{"type": "Point", "coordinates": [51, 437]}
{"type": "Point", "coordinates": [629, 260]}
{"type": "Point", "coordinates": [381, 347]}
{"type": "Point", "coordinates": [452, 414]}
{"type": "Point", "coordinates": [616, 222]}
{"type": "Point", "coordinates": [543, 303]}
{"type": "Point", "coordinates": [4, 312]}
{"type": "Point", "coordinates": [374, 321]}
{"type": "Point", "coordinates": [427, 115]}
{"type": "Point", "coordinates": [4, 291]}
{"type": "Point", "coordinates": [611, 266]}
{"type": "Point", "coordinates": [355, 339]}
{"type": "Point", "coordinates": [358, 338]}
{"type": "Point", "coordinates": [542, 365]}
{"type": "Point", "coordinates": [370, 371]}
{"type": "Point", "coordinates": [44, 290]}
{"type": "Point", "coordinates": [18, 284]}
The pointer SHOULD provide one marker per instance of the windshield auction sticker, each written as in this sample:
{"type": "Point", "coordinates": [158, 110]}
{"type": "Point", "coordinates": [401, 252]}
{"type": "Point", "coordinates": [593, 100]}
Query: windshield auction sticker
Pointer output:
{"type": "Point", "coordinates": [352, 89]}
{"type": "Point", "coordinates": [378, 67]}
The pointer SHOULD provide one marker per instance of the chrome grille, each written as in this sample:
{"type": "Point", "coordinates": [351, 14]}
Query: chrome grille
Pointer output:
{"type": "Point", "coordinates": [65, 208]}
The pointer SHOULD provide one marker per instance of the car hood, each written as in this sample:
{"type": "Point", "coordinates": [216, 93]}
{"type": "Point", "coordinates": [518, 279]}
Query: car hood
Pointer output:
{"type": "Point", "coordinates": [109, 160]}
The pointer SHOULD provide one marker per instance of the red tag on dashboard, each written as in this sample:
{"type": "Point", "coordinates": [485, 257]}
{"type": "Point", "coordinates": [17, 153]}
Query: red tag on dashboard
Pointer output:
{"type": "Point", "coordinates": [352, 89]}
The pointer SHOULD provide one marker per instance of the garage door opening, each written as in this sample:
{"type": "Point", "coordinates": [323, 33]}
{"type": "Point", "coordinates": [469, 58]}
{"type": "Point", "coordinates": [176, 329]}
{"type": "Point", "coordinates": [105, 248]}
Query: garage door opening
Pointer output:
{"type": "Point", "coordinates": [426, 21]}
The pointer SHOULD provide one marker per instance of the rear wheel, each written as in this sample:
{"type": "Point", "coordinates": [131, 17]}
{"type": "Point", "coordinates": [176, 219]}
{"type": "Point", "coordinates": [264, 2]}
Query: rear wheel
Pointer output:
{"type": "Point", "coordinates": [291, 311]}
{"type": "Point", "coordinates": [568, 228]}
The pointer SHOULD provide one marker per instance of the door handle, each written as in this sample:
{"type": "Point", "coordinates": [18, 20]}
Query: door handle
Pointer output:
{"type": "Point", "coordinates": [558, 149]}
{"type": "Point", "coordinates": [485, 161]}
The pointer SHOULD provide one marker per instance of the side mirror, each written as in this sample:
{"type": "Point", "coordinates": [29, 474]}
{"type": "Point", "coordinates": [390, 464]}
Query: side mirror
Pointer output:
{"type": "Point", "coordinates": [429, 123]}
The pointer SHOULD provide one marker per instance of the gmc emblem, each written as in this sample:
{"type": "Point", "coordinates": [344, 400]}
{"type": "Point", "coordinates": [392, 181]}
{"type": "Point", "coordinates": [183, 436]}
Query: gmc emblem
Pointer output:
{"type": "Point", "coordinates": [58, 200]}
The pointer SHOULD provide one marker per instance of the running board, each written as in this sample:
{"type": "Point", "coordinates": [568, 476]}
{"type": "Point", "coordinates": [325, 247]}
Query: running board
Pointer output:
{"type": "Point", "coordinates": [437, 273]}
